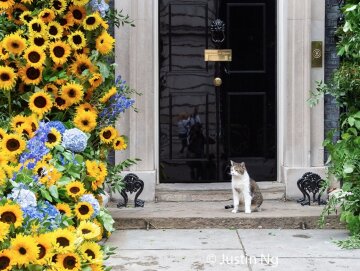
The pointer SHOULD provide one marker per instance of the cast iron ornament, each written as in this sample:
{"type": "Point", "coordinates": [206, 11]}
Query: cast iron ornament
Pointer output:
{"type": "Point", "coordinates": [132, 184]}
{"type": "Point", "coordinates": [217, 30]}
{"type": "Point", "coordinates": [310, 183]}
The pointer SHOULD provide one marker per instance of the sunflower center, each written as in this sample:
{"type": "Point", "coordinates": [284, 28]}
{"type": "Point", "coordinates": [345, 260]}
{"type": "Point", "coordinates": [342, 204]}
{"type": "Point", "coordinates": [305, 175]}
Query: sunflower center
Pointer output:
{"type": "Point", "coordinates": [59, 51]}
{"type": "Point", "coordinates": [117, 143]}
{"type": "Point", "coordinates": [60, 101]}
{"type": "Point", "coordinates": [4, 77]}
{"type": "Point", "coordinates": [63, 21]}
{"type": "Point", "coordinates": [85, 231]}
{"type": "Point", "coordinates": [69, 262]}
{"type": "Point", "coordinates": [45, 15]}
{"type": "Point", "coordinates": [13, 144]}
{"type": "Point", "coordinates": [17, 12]}
{"type": "Point", "coordinates": [107, 134]}
{"type": "Point", "coordinates": [85, 122]}
{"type": "Point", "coordinates": [53, 30]}
{"type": "Point", "coordinates": [84, 209]}
{"type": "Point", "coordinates": [77, 39]}
{"type": "Point", "coordinates": [15, 45]}
{"type": "Point", "coordinates": [90, 20]}
{"type": "Point", "coordinates": [72, 93]}
{"type": "Point", "coordinates": [33, 127]}
{"type": "Point", "coordinates": [82, 68]}
{"type": "Point", "coordinates": [74, 190]}
{"type": "Point", "coordinates": [27, 18]}
{"type": "Point", "coordinates": [40, 172]}
{"type": "Point", "coordinates": [4, 262]}
{"type": "Point", "coordinates": [57, 5]}
{"type": "Point", "coordinates": [8, 217]}
{"type": "Point", "coordinates": [22, 251]}
{"type": "Point", "coordinates": [90, 253]}
{"type": "Point", "coordinates": [34, 57]}
{"type": "Point", "coordinates": [39, 41]}
{"type": "Point", "coordinates": [77, 14]}
{"type": "Point", "coordinates": [36, 27]}
{"type": "Point", "coordinates": [51, 138]}
{"type": "Point", "coordinates": [62, 241]}
{"type": "Point", "coordinates": [40, 102]}
{"type": "Point", "coordinates": [33, 73]}
{"type": "Point", "coordinates": [42, 251]}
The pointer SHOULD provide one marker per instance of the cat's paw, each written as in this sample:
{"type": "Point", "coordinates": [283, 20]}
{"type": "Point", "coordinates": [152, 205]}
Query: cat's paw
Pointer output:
{"type": "Point", "coordinates": [248, 212]}
{"type": "Point", "coordinates": [234, 211]}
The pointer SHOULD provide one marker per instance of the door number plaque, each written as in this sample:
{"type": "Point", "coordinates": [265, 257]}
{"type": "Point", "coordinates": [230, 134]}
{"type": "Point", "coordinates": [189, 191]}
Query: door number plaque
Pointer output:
{"type": "Point", "coordinates": [218, 55]}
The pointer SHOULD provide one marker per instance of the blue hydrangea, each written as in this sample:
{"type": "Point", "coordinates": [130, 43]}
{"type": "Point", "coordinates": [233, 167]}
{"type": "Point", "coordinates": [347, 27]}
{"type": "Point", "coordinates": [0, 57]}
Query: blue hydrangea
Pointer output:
{"type": "Point", "coordinates": [58, 125]}
{"type": "Point", "coordinates": [99, 5]}
{"type": "Point", "coordinates": [36, 150]}
{"type": "Point", "coordinates": [93, 201]}
{"type": "Point", "coordinates": [75, 140]}
{"type": "Point", "coordinates": [23, 197]}
{"type": "Point", "coordinates": [117, 105]}
{"type": "Point", "coordinates": [44, 212]}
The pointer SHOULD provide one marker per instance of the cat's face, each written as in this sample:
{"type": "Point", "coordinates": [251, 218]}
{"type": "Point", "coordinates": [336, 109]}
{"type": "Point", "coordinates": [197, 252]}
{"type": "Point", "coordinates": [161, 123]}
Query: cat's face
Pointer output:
{"type": "Point", "coordinates": [237, 169]}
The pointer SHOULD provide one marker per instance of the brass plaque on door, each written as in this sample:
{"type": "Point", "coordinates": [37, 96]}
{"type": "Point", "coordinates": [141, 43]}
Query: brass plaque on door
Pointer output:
{"type": "Point", "coordinates": [316, 54]}
{"type": "Point", "coordinates": [218, 55]}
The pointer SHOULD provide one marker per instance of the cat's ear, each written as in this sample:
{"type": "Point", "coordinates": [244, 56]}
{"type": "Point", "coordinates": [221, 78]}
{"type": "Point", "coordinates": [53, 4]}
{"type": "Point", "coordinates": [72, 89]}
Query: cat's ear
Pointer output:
{"type": "Point", "coordinates": [242, 164]}
{"type": "Point", "coordinates": [231, 162]}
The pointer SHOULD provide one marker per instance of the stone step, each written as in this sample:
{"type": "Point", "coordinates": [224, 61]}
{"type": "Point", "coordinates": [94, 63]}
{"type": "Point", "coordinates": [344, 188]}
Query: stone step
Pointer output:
{"type": "Point", "coordinates": [182, 192]}
{"type": "Point", "coordinates": [274, 214]}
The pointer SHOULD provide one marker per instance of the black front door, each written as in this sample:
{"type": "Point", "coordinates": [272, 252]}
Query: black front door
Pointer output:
{"type": "Point", "coordinates": [195, 145]}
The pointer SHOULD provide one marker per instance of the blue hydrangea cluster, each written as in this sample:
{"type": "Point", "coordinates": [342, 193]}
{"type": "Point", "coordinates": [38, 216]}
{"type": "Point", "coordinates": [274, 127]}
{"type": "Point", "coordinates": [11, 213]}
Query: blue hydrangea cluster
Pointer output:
{"type": "Point", "coordinates": [74, 140]}
{"type": "Point", "coordinates": [44, 212]}
{"type": "Point", "coordinates": [93, 201]}
{"type": "Point", "coordinates": [118, 104]}
{"type": "Point", "coordinates": [99, 5]}
{"type": "Point", "coordinates": [24, 197]}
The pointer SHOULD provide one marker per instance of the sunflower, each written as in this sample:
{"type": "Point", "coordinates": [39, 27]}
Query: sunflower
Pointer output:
{"type": "Point", "coordinates": [105, 43]}
{"type": "Point", "coordinates": [53, 138]}
{"type": "Point", "coordinates": [108, 134]}
{"type": "Point", "coordinates": [6, 258]}
{"type": "Point", "coordinates": [17, 121]}
{"type": "Point", "coordinates": [58, 6]}
{"type": "Point", "coordinates": [51, 88]}
{"type": "Point", "coordinates": [31, 75]}
{"type": "Point", "coordinates": [82, 63]}
{"type": "Point", "coordinates": [111, 92]}
{"type": "Point", "coordinates": [4, 231]}
{"type": "Point", "coordinates": [55, 30]}
{"type": "Point", "coordinates": [5, 4]}
{"type": "Point", "coordinates": [75, 189]}
{"type": "Point", "coordinates": [83, 51]}
{"type": "Point", "coordinates": [67, 21]}
{"type": "Point", "coordinates": [13, 144]}
{"type": "Point", "coordinates": [80, 2]}
{"type": "Point", "coordinates": [64, 209]}
{"type": "Point", "coordinates": [48, 175]}
{"type": "Point", "coordinates": [11, 214]}
{"type": "Point", "coordinates": [34, 122]}
{"type": "Point", "coordinates": [26, 17]}
{"type": "Point", "coordinates": [40, 103]}
{"type": "Point", "coordinates": [47, 15]}
{"type": "Point", "coordinates": [4, 55]}
{"type": "Point", "coordinates": [92, 21]}
{"type": "Point", "coordinates": [25, 249]}
{"type": "Point", "coordinates": [39, 41]}
{"type": "Point", "coordinates": [63, 239]}
{"type": "Point", "coordinates": [7, 78]}
{"type": "Point", "coordinates": [59, 52]}
{"type": "Point", "coordinates": [25, 129]}
{"type": "Point", "coordinates": [84, 210]}
{"type": "Point", "coordinates": [37, 27]}
{"type": "Point", "coordinates": [34, 56]}
{"type": "Point", "coordinates": [68, 261]}
{"type": "Point", "coordinates": [14, 13]}
{"type": "Point", "coordinates": [44, 242]}
{"type": "Point", "coordinates": [85, 121]}
{"type": "Point", "coordinates": [96, 80]}
{"type": "Point", "coordinates": [41, 169]}
{"type": "Point", "coordinates": [61, 104]}
{"type": "Point", "coordinates": [91, 252]}
{"type": "Point", "coordinates": [78, 13]}
{"type": "Point", "coordinates": [86, 107]}
{"type": "Point", "coordinates": [119, 144]}
{"type": "Point", "coordinates": [72, 92]}
{"type": "Point", "coordinates": [77, 40]}
{"type": "Point", "coordinates": [88, 230]}
{"type": "Point", "coordinates": [96, 267]}
{"type": "Point", "coordinates": [14, 43]}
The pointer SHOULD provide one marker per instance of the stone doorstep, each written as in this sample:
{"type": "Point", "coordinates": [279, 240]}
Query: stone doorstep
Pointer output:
{"type": "Point", "coordinates": [182, 192]}
{"type": "Point", "coordinates": [202, 215]}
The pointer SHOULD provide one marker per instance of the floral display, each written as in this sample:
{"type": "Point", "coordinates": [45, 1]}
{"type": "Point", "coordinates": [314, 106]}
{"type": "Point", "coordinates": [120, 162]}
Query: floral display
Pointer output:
{"type": "Point", "coordinates": [59, 101]}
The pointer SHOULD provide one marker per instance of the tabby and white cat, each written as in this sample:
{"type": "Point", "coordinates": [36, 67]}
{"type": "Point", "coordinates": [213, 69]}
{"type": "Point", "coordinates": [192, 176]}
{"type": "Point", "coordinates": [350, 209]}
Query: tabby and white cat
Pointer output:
{"type": "Point", "coordinates": [244, 187]}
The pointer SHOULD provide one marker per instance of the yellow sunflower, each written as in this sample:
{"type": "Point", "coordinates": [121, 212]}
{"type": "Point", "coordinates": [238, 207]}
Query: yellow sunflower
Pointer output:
{"type": "Point", "coordinates": [4, 55]}
{"type": "Point", "coordinates": [80, 2]}
{"type": "Point", "coordinates": [64, 209]}
{"type": "Point", "coordinates": [78, 13]}
{"type": "Point", "coordinates": [120, 144]}
{"type": "Point", "coordinates": [14, 43]}
{"type": "Point", "coordinates": [4, 231]}
{"type": "Point", "coordinates": [63, 239]}
{"type": "Point", "coordinates": [14, 13]}
{"type": "Point", "coordinates": [53, 138]}
{"type": "Point", "coordinates": [37, 27]}
{"type": "Point", "coordinates": [17, 121]}
{"type": "Point", "coordinates": [5, 4]}
{"type": "Point", "coordinates": [88, 230]}
{"type": "Point", "coordinates": [82, 63]}
{"type": "Point", "coordinates": [44, 243]}
{"type": "Point", "coordinates": [48, 175]}
{"type": "Point", "coordinates": [58, 6]}
{"type": "Point", "coordinates": [40, 103]}
{"type": "Point", "coordinates": [92, 21]}
{"type": "Point", "coordinates": [72, 92]}
{"type": "Point", "coordinates": [83, 51]}
{"type": "Point", "coordinates": [85, 121]}
{"type": "Point", "coordinates": [25, 249]}
{"type": "Point", "coordinates": [34, 56]}
{"type": "Point", "coordinates": [86, 107]}
{"type": "Point", "coordinates": [67, 21]}
{"type": "Point", "coordinates": [61, 104]}
{"type": "Point", "coordinates": [39, 41]}
{"type": "Point", "coordinates": [55, 30]}
{"type": "Point", "coordinates": [75, 189]}
{"type": "Point", "coordinates": [25, 129]}
{"type": "Point", "coordinates": [34, 122]}
{"type": "Point", "coordinates": [96, 80]}
{"type": "Point", "coordinates": [6, 258]}
{"type": "Point", "coordinates": [68, 261]}
{"type": "Point", "coordinates": [11, 214]}
{"type": "Point", "coordinates": [47, 15]}
{"type": "Point", "coordinates": [7, 78]}
{"type": "Point", "coordinates": [105, 43]}
{"type": "Point", "coordinates": [108, 134]}
{"type": "Point", "coordinates": [26, 17]}
{"type": "Point", "coordinates": [91, 252]}
{"type": "Point", "coordinates": [51, 88]}
{"type": "Point", "coordinates": [96, 267]}
{"type": "Point", "coordinates": [84, 210]}
{"type": "Point", "coordinates": [77, 40]}
{"type": "Point", "coordinates": [13, 144]}
{"type": "Point", "coordinates": [59, 52]}
{"type": "Point", "coordinates": [31, 75]}
{"type": "Point", "coordinates": [111, 92]}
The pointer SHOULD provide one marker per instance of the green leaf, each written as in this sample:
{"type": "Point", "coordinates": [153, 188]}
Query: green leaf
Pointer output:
{"type": "Point", "coordinates": [351, 121]}
{"type": "Point", "coordinates": [45, 194]}
{"type": "Point", "coordinates": [353, 7]}
{"type": "Point", "coordinates": [348, 168]}
{"type": "Point", "coordinates": [104, 70]}
{"type": "Point", "coordinates": [54, 191]}
{"type": "Point", "coordinates": [107, 220]}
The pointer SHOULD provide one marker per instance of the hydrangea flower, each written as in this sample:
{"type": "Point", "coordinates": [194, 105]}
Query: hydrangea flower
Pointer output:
{"type": "Point", "coordinates": [44, 212]}
{"type": "Point", "coordinates": [23, 197]}
{"type": "Point", "coordinates": [93, 201]}
{"type": "Point", "coordinates": [99, 5]}
{"type": "Point", "coordinates": [74, 140]}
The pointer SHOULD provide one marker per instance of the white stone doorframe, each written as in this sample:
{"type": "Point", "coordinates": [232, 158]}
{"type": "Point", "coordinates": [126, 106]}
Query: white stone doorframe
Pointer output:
{"type": "Point", "coordinates": [300, 128]}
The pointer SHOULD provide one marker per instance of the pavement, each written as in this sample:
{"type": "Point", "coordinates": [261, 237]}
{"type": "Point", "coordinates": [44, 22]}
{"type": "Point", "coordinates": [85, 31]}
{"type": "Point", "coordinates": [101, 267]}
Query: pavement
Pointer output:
{"type": "Point", "coordinates": [228, 250]}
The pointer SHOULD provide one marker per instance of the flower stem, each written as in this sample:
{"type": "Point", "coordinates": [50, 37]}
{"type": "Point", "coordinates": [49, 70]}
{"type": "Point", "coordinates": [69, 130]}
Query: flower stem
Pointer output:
{"type": "Point", "coordinates": [9, 104]}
